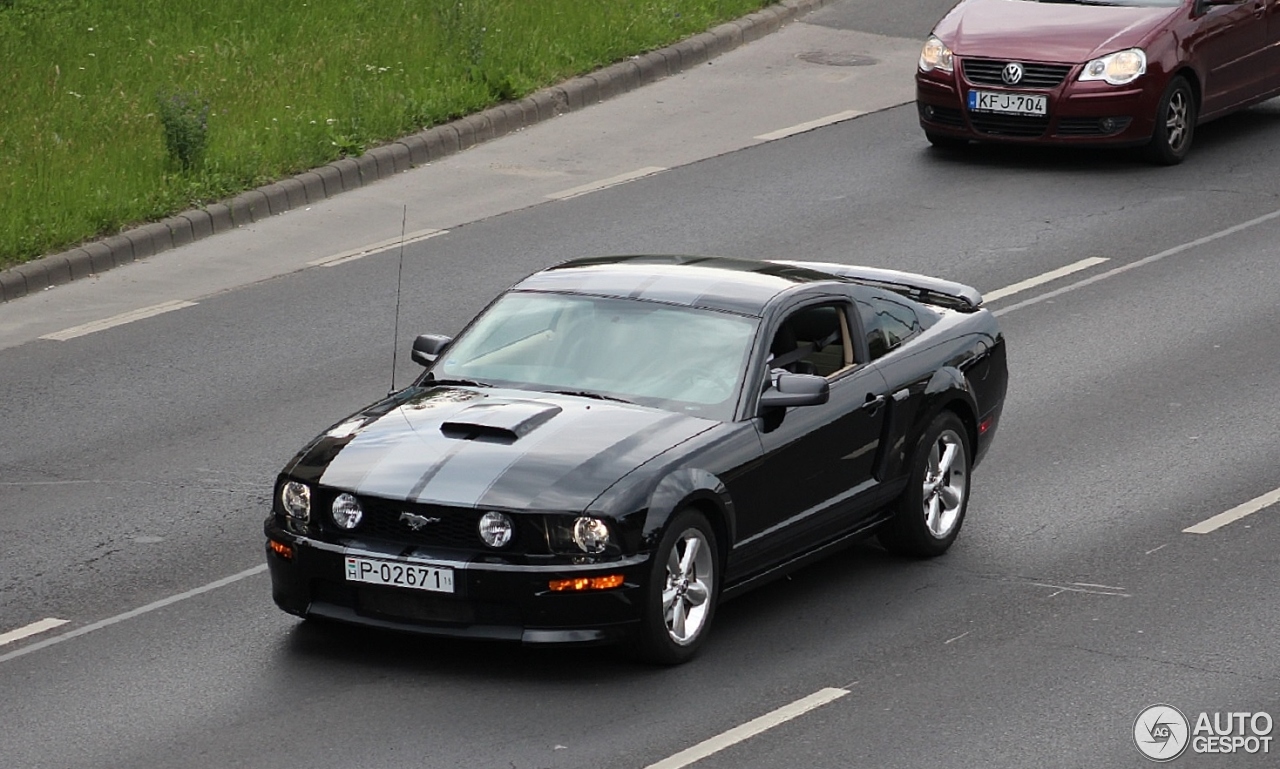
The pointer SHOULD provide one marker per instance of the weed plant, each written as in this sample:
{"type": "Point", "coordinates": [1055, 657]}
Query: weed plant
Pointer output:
{"type": "Point", "coordinates": [114, 112]}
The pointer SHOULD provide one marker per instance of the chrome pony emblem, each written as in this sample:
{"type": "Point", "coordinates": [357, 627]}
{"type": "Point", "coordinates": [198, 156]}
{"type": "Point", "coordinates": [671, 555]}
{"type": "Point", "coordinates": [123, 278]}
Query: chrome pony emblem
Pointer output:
{"type": "Point", "coordinates": [415, 521]}
{"type": "Point", "coordinates": [1012, 74]}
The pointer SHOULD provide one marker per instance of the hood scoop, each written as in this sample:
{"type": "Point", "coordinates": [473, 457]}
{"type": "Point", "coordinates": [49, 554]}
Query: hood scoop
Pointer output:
{"type": "Point", "coordinates": [499, 422]}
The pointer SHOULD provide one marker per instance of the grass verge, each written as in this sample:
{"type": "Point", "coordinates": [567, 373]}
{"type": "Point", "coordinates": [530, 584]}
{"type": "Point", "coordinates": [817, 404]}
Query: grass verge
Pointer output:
{"type": "Point", "coordinates": [122, 111]}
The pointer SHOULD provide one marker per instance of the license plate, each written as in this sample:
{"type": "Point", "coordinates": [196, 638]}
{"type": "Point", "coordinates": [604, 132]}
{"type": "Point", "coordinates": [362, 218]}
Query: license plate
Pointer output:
{"type": "Point", "coordinates": [1008, 103]}
{"type": "Point", "coordinates": [410, 575]}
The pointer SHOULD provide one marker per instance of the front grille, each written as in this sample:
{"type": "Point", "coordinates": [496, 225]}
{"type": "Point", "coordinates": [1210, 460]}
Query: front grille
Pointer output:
{"type": "Point", "coordinates": [451, 527]}
{"type": "Point", "coordinates": [1024, 126]}
{"type": "Point", "coordinates": [1092, 126]}
{"type": "Point", "coordinates": [989, 72]}
{"type": "Point", "coordinates": [947, 116]}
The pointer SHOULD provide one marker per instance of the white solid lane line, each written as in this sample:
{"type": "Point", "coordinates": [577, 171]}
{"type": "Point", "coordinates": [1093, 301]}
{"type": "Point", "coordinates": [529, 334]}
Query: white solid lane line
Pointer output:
{"type": "Point", "coordinates": [1235, 513]}
{"type": "Point", "coordinates": [373, 248]}
{"type": "Point", "coordinates": [1089, 281]}
{"type": "Point", "coordinates": [800, 128]}
{"type": "Point", "coordinates": [604, 184]}
{"type": "Point", "coordinates": [48, 623]}
{"type": "Point", "coordinates": [117, 320]}
{"type": "Point", "coordinates": [1061, 272]}
{"type": "Point", "coordinates": [750, 729]}
{"type": "Point", "coordinates": [109, 621]}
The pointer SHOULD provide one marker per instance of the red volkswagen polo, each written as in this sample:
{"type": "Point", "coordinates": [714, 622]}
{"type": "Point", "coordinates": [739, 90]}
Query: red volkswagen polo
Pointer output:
{"type": "Point", "coordinates": [1095, 72]}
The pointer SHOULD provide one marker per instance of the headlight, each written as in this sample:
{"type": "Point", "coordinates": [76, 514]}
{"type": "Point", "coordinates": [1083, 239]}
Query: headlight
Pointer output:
{"type": "Point", "coordinates": [935, 55]}
{"type": "Point", "coordinates": [295, 498]}
{"type": "Point", "coordinates": [346, 511]}
{"type": "Point", "coordinates": [591, 535]}
{"type": "Point", "coordinates": [496, 529]}
{"type": "Point", "coordinates": [1117, 68]}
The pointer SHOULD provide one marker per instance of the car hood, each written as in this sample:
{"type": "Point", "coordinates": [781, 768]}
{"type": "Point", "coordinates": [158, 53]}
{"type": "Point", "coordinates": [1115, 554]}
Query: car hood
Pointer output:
{"type": "Point", "coordinates": [1025, 30]}
{"type": "Point", "coordinates": [472, 447]}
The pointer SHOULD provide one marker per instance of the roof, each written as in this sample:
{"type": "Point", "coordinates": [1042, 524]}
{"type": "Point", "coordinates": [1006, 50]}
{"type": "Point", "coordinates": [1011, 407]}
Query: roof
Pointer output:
{"type": "Point", "coordinates": [713, 282]}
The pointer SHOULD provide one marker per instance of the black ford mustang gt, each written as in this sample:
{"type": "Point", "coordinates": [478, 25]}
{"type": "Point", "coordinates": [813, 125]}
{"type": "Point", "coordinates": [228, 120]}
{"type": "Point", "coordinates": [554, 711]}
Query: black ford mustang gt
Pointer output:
{"type": "Point", "coordinates": [616, 444]}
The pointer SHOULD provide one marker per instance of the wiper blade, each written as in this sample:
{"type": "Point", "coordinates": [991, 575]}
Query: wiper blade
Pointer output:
{"type": "Point", "coordinates": [457, 382]}
{"type": "Point", "coordinates": [589, 394]}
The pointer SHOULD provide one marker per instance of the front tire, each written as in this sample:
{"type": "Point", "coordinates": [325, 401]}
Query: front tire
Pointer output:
{"type": "Point", "coordinates": [931, 510]}
{"type": "Point", "coordinates": [1175, 124]}
{"type": "Point", "coordinates": [684, 586]}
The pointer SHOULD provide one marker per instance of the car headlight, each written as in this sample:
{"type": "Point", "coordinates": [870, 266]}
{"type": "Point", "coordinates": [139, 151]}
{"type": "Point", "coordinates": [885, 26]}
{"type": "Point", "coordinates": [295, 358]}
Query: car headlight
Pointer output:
{"type": "Point", "coordinates": [1117, 68]}
{"type": "Point", "coordinates": [295, 498]}
{"type": "Point", "coordinates": [591, 535]}
{"type": "Point", "coordinates": [935, 55]}
{"type": "Point", "coordinates": [346, 511]}
{"type": "Point", "coordinates": [496, 529]}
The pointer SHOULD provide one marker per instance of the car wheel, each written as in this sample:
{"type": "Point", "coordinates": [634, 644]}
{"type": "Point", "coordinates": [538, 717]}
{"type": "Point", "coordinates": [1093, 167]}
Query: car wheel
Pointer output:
{"type": "Point", "coordinates": [930, 511]}
{"type": "Point", "coordinates": [1175, 124]}
{"type": "Point", "coordinates": [684, 586]}
{"type": "Point", "coordinates": [944, 142]}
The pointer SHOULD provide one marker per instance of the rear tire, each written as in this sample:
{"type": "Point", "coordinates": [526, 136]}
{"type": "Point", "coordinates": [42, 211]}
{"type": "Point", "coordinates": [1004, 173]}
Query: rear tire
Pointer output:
{"type": "Point", "coordinates": [1175, 124]}
{"type": "Point", "coordinates": [684, 587]}
{"type": "Point", "coordinates": [930, 511]}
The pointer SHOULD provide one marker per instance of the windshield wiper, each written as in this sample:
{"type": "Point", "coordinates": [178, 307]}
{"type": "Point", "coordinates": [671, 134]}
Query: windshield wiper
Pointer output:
{"type": "Point", "coordinates": [589, 394]}
{"type": "Point", "coordinates": [456, 382]}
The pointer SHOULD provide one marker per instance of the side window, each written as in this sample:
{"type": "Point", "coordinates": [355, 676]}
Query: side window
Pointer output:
{"type": "Point", "coordinates": [813, 340]}
{"type": "Point", "coordinates": [888, 323]}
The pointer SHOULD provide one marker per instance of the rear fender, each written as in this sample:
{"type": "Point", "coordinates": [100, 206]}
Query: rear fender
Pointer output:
{"type": "Point", "coordinates": [947, 389]}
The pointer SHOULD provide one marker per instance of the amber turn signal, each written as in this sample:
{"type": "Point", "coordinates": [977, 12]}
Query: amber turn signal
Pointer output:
{"type": "Point", "coordinates": [585, 583]}
{"type": "Point", "coordinates": [281, 549]}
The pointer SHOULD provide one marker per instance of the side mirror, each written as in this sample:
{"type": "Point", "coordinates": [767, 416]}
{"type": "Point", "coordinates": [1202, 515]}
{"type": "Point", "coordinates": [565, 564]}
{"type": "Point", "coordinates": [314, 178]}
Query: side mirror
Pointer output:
{"type": "Point", "coordinates": [428, 347]}
{"type": "Point", "coordinates": [789, 389]}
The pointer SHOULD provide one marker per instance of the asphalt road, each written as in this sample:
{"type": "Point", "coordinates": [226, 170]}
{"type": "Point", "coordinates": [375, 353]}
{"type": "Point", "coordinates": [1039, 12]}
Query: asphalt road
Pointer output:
{"type": "Point", "coordinates": [137, 463]}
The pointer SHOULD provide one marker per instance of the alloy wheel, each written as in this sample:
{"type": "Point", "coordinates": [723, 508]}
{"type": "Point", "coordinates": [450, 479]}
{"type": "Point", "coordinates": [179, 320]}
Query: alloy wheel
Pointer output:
{"type": "Point", "coordinates": [689, 583]}
{"type": "Point", "coordinates": [945, 484]}
{"type": "Point", "coordinates": [1177, 119]}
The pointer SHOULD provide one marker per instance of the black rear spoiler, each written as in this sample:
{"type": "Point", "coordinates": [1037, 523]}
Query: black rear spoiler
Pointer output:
{"type": "Point", "coordinates": [946, 293]}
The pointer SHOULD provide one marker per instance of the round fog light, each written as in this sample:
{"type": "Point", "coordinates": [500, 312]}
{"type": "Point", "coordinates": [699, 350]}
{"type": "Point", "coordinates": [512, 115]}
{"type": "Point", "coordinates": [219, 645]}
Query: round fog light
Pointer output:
{"type": "Point", "coordinates": [591, 534]}
{"type": "Point", "coordinates": [346, 511]}
{"type": "Point", "coordinates": [496, 529]}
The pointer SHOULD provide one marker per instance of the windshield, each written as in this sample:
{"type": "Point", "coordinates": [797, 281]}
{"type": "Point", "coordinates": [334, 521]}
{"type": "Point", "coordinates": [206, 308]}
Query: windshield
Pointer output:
{"type": "Point", "coordinates": [669, 357]}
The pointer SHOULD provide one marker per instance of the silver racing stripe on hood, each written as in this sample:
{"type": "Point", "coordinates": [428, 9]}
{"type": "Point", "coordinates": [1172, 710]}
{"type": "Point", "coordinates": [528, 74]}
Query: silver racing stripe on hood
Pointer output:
{"type": "Point", "coordinates": [563, 464]}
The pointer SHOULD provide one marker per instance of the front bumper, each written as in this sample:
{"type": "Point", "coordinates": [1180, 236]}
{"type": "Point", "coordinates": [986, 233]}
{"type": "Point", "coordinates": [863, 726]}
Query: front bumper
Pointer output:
{"type": "Point", "coordinates": [491, 600]}
{"type": "Point", "coordinates": [1079, 113]}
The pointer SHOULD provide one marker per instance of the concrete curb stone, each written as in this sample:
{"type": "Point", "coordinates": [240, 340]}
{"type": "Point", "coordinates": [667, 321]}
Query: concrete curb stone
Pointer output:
{"type": "Point", "coordinates": [397, 156]}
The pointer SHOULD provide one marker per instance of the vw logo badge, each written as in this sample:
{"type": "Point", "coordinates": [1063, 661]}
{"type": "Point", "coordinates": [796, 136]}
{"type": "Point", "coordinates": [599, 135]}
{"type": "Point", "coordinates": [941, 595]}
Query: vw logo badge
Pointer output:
{"type": "Point", "coordinates": [1012, 74]}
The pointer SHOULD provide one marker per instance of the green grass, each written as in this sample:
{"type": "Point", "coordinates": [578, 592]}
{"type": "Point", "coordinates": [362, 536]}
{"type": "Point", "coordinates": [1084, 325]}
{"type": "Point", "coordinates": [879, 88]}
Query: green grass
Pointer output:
{"type": "Point", "coordinates": [288, 85]}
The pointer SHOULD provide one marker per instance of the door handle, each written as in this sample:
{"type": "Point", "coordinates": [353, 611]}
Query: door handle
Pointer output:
{"type": "Point", "coordinates": [873, 403]}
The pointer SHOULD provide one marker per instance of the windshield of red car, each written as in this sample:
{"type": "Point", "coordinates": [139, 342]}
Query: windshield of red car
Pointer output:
{"type": "Point", "coordinates": [670, 357]}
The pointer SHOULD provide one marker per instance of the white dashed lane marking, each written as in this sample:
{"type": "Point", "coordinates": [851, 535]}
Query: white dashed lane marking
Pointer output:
{"type": "Point", "coordinates": [604, 184]}
{"type": "Point", "coordinates": [117, 320]}
{"type": "Point", "coordinates": [1039, 280]}
{"type": "Point", "coordinates": [1235, 513]}
{"type": "Point", "coordinates": [48, 623]}
{"type": "Point", "coordinates": [750, 729]}
{"type": "Point", "coordinates": [153, 606]}
{"type": "Point", "coordinates": [373, 248]}
{"type": "Point", "coordinates": [1189, 245]}
{"type": "Point", "coordinates": [800, 128]}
